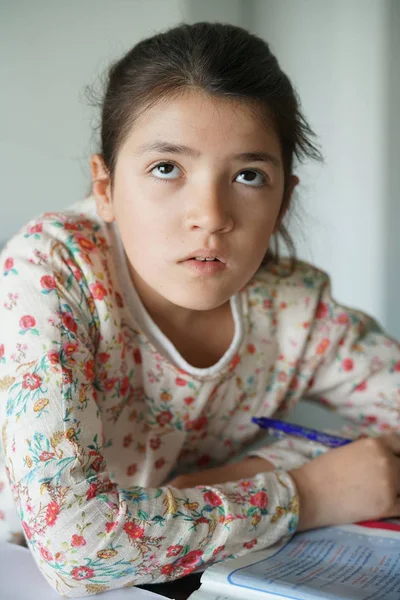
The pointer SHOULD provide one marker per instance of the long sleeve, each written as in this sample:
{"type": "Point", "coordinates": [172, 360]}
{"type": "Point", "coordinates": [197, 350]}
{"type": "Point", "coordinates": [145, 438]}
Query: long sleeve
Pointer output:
{"type": "Point", "coordinates": [86, 532]}
{"type": "Point", "coordinates": [353, 366]}
{"type": "Point", "coordinates": [334, 355]}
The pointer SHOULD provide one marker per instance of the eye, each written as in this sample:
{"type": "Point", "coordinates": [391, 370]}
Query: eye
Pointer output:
{"type": "Point", "coordinates": [165, 170]}
{"type": "Point", "coordinates": [252, 178]}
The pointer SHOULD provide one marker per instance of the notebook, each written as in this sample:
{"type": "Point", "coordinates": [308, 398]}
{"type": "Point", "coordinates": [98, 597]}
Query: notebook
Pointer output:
{"type": "Point", "coordinates": [354, 562]}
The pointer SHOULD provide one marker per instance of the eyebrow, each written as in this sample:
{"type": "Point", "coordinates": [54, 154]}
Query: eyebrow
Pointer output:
{"type": "Point", "coordinates": [169, 148]}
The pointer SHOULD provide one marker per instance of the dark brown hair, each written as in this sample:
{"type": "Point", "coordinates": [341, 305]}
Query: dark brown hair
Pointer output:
{"type": "Point", "coordinates": [221, 60]}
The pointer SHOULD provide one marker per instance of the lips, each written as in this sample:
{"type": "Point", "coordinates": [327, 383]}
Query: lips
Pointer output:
{"type": "Point", "coordinates": [206, 254]}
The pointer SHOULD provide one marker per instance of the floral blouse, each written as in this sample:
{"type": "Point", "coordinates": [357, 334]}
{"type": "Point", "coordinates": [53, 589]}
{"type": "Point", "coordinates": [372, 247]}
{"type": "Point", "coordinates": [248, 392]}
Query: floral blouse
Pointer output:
{"type": "Point", "coordinates": [98, 410]}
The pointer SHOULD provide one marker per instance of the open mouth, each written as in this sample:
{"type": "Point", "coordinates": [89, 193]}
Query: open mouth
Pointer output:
{"type": "Point", "coordinates": [205, 259]}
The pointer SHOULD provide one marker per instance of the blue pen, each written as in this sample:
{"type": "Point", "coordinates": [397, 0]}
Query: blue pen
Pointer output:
{"type": "Point", "coordinates": [333, 441]}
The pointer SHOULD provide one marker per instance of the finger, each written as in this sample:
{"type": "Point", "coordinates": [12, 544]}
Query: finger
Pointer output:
{"type": "Point", "coordinates": [396, 462]}
{"type": "Point", "coordinates": [395, 510]}
{"type": "Point", "coordinates": [393, 442]}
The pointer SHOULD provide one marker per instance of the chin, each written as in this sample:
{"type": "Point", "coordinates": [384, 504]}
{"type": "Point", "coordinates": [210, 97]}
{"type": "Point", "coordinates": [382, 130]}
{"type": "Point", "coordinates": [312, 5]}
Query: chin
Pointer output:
{"type": "Point", "coordinates": [200, 301]}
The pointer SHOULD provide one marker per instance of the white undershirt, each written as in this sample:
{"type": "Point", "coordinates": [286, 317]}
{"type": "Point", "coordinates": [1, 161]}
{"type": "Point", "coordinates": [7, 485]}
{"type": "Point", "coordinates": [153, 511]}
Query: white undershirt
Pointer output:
{"type": "Point", "coordinates": [151, 329]}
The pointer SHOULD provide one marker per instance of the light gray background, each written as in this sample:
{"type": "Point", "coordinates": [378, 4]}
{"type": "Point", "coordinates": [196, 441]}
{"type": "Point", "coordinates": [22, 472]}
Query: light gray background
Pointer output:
{"type": "Point", "coordinates": [343, 56]}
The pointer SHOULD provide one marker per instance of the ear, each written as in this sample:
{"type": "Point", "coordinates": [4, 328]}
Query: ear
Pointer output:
{"type": "Point", "coordinates": [294, 180]}
{"type": "Point", "coordinates": [101, 188]}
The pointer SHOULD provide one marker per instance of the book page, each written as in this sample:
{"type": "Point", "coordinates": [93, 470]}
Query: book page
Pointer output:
{"type": "Point", "coordinates": [337, 562]}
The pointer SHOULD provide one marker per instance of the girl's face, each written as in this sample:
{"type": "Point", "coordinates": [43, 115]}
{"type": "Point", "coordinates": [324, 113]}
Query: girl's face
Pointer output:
{"type": "Point", "coordinates": [196, 175]}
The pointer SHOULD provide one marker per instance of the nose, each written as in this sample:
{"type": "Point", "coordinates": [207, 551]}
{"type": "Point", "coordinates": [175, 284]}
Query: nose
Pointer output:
{"type": "Point", "coordinates": [209, 209]}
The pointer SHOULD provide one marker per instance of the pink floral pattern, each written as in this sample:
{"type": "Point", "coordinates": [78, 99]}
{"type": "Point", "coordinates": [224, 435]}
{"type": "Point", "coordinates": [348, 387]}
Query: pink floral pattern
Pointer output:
{"type": "Point", "coordinates": [95, 420]}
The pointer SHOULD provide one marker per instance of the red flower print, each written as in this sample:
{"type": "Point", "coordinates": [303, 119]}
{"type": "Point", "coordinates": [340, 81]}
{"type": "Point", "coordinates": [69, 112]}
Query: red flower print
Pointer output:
{"type": "Point", "coordinates": [85, 244]}
{"type": "Point", "coordinates": [8, 264]}
{"type": "Point", "coordinates": [46, 456]}
{"type": "Point", "coordinates": [52, 513]}
{"type": "Point", "coordinates": [67, 376]}
{"type": "Point", "coordinates": [164, 417]}
{"type": "Point", "coordinates": [92, 491]}
{"type": "Point", "coordinates": [103, 357]}
{"type": "Point", "coordinates": [200, 423]}
{"type": "Point", "coordinates": [98, 290]}
{"type": "Point", "coordinates": [97, 462]}
{"type": "Point", "coordinates": [348, 364]}
{"type": "Point", "coordinates": [189, 400]}
{"type": "Point", "coordinates": [110, 525]}
{"type": "Point", "coordinates": [251, 348]}
{"type": "Point", "coordinates": [212, 498]}
{"type": "Point", "coordinates": [133, 530]}
{"type": "Point", "coordinates": [397, 366]}
{"type": "Point", "coordinates": [159, 463]}
{"type": "Point", "coordinates": [77, 541]}
{"type": "Point", "coordinates": [47, 282]}
{"type": "Point", "coordinates": [59, 556]}
{"type": "Point", "coordinates": [27, 322]}
{"type": "Point", "coordinates": [180, 381]}
{"type": "Point", "coordinates": [311, 383]}
{"type": "Point", "coordinates": [27, 530]}
{"type": "Point", "coordinates": [283, 305]}
{"type": "Point", "coordinates": [127, 440]}
{"type": "Point", "coordinates": [322, 311]}
{"type": "Point", "coordinates": [191, 559]}
{"type": "Point", "coordinates": [69, 322]}
{"type": "Point", "coordinates": [137, 356]}
{"type": "Point", "coordinates": [38, 228]}
{"type": "Point", "coordinates": [109, 383]}
{"type": "Point", "coordinates": [282, 376]}
{"type": "Point", "coordinates": [53, 357]}
{"type": "Point", "coordinates": [361, 387]}
{"type": "Point", "coordinates": [218, 550]}
{"type": "Point", "coordinates": [46, 554]}
{"type": "Point", "coordinates": [323, 346]}
{"type": "Point", "coordinates": [370, 419]}
{"type": "Point", "coordinates": [1, 351]}
{"type": "Point", "coordinates": [234, 362]}
{"type": "Point", "coordinates": [31, 381]}
{"type": "Point", "coordinates": [82, 572]}
{"type": "Point", "coordinates": [70, 348]}
{"type": "Point", "coordinates": [124, 389]}
{"type": "Point", "coordinates": [203, 460]}
{"type": "Point", "coordinates": [131, 470]}
{"type": "Point", "coordinates": [167, 569]}
{"type": "Point", "coordinates": [343, 318]}
{"type": "Point", "coordinates": [155, 443]}
{"type": "Point", "coordinates": [260, 499]}
{"type": "Point", "coordinates": [89, 370]}
{"type": "Point", "coordinates": [268, 304]}
{"type": "Point", "coordinates": [250, 544]}
{"type": "Point", "coordinates": [174, 550]}
{"type": "Point", "coordinates": [119, 300]}
{"type": "Point", "coordinates": [71, 227]}
{"type": "Point", "coordinates": [245, 484]}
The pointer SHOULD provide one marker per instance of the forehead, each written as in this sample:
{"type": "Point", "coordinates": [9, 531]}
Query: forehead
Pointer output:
{"type": "Point", "coordinates": [206, 122]}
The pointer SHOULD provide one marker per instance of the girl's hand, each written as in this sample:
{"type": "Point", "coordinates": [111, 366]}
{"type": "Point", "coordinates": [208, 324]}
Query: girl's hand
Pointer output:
{"type": "Point", "coordinates": [244, 469]}
{"type": "Point", "coordinates": [356, 482]}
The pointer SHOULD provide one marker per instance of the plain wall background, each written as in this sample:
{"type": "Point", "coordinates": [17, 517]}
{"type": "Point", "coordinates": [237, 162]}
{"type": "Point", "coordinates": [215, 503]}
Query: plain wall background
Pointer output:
{"type": "Point", "coordinates": [343, 58]}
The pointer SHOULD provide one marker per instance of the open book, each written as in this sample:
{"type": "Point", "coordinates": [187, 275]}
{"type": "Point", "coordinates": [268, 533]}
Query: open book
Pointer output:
{"type": "Point", "coordinates": [355, 562]}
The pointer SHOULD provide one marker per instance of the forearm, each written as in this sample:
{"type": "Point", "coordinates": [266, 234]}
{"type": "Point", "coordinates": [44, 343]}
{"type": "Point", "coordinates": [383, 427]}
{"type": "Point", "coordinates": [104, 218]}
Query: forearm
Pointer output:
{"type": "Point", "coordinates": [244, 469]}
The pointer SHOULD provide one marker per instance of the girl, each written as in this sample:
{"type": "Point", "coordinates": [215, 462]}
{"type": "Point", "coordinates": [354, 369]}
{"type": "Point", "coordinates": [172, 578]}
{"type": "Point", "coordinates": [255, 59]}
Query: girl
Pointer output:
{"type": "Point", "coordinates": [142, 329]}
